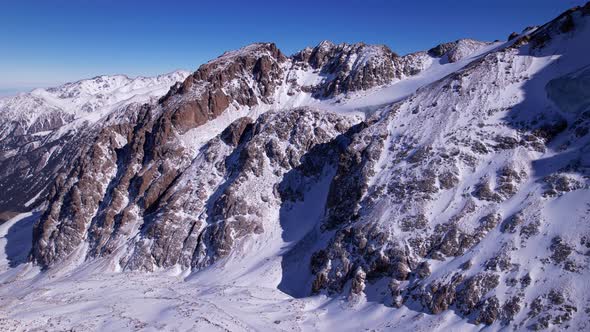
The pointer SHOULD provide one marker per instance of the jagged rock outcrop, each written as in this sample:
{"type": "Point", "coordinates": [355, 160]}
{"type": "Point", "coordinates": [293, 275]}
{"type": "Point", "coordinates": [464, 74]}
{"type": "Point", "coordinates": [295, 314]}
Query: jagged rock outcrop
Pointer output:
{"type": "Point", "coordinates": [246, 77]}
{"type": "Point", "coordinates": [356, 67]}
{"type": "Point", "coordinates": [33, 129]}
{"type": "Point", "coordinates": [423, 143]}
{"type": "Point", "coordinates": [211, 205]}
{"type": "Point", "coordinates": [457, 50]}
{"type": "Point", "coordinates": [42, 131]}
{"type": "Point", "coordinates": [351, 67]}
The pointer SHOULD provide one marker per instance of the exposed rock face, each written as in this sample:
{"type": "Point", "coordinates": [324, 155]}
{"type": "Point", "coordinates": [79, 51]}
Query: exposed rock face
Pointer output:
{"type": "Point", "coordinates": [400, 173]}
{"type": "Point", "coordinates": [42, 131]}
{"type": "Point", "coordinates": [136, 174]}
{"type": "Point", "coordinates": [247, 77]}
{"type": "Point", "coordinates": [351, 67]}
{"type": "Point", "coordinates": [211, 204]}
{"type": "Point", "coordinates": [109, 180]}
{"type": "Point", "coordinates": [512, 36]}
{"type": "Point", "coordinates": [457, 50]}
{"type": "Point", "coordinates": [236, 132]}
{"type": "Point", "coordinates": [356, 67]}
{"type": "Point", "coordinates": [129, 166]}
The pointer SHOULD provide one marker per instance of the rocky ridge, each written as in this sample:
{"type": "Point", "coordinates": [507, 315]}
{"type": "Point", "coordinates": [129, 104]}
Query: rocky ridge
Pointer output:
{"type": "Point", "coordinates": [455, 210]}
{"type": "Point", "coordinates": [143, 155]}
{"type": "Point", "coordinates": [39, 130]}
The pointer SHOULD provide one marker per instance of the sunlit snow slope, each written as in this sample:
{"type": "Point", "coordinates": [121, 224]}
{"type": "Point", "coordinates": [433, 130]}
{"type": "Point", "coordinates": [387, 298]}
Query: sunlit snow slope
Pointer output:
{"type": "Point", "coordinates": [343, 187]}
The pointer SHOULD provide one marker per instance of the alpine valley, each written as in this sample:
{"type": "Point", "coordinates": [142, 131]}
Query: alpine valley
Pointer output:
{"type": "Point", "coordinates": [343, 187]}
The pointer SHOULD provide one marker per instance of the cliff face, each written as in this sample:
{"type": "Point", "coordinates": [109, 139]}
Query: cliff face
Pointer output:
{"type": "Point", "coordinates": [450, 199]}
{"type": "Point", "coordinates": [454, 194]}
{"type": "Point", "coordinates": [42, 131]}
{"type": "Point", "coordinates": [356, 67]}
{"type": "Point", "coordinates": [247, 77]}
{"type": "Point", "coordinates": [114, 186]}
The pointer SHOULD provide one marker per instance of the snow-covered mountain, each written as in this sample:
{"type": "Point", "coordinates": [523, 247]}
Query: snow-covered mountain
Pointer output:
{"type": "Point", "coordinates": [38, 130]}
{"type": "Point", "coordinates": [45, 109]}
{"type": "Point", "coordinates": [444, 189]}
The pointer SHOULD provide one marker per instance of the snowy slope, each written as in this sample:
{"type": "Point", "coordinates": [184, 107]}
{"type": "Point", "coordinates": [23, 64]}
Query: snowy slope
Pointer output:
{"type": "Point", "coordinates": [344, 187]}
{"type": "Point", "coordinates": [40, 131]}
{"type": "Point", "coordinates": [86, 99]}
{"type": "Point", "coordinates": [301, 82]}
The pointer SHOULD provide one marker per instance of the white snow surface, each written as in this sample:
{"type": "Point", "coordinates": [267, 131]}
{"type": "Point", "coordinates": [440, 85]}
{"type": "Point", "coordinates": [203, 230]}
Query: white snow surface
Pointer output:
{"type": "Point", "coordinates": [85, 101]}
{"type": "Point", "coordinates": [242, 293]}
{"type": "Point", "coordinates": [356, 104]}
{"type": "Point", "coordinates": [89, 299]}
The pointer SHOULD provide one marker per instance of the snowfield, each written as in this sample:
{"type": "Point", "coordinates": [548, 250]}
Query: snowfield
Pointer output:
{"type": "Point", "coordinates": [454, 197]}
{"type": "Point", "coordinates": [88, 298]}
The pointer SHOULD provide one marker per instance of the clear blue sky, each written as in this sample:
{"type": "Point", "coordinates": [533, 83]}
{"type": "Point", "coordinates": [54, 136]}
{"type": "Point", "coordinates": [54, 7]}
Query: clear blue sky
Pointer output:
{"type": "Point", "coordinates": [47, 42]}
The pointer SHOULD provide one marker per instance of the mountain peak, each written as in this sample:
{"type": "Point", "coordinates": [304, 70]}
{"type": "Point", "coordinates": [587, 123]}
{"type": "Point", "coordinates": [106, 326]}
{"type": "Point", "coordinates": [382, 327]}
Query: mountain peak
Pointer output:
{"type": "Point", "coordinates": [457, 49]}
{"type": "Point", "coordinates": [255, 50]}
{"type": "Point", "coordinates": [325, 44]}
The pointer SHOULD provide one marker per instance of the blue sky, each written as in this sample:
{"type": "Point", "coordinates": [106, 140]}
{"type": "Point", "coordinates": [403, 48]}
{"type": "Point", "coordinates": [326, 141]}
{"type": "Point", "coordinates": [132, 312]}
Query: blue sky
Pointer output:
{"type": "Point", "coordinates": [45, 43]}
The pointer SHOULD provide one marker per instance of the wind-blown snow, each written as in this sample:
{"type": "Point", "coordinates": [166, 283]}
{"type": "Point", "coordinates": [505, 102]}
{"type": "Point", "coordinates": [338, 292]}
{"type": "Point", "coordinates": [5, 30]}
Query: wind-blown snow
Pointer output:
{"type": "Point", "coordinates": [85, 101]}
{"type": "Point", "coordinates": [245, 291]}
